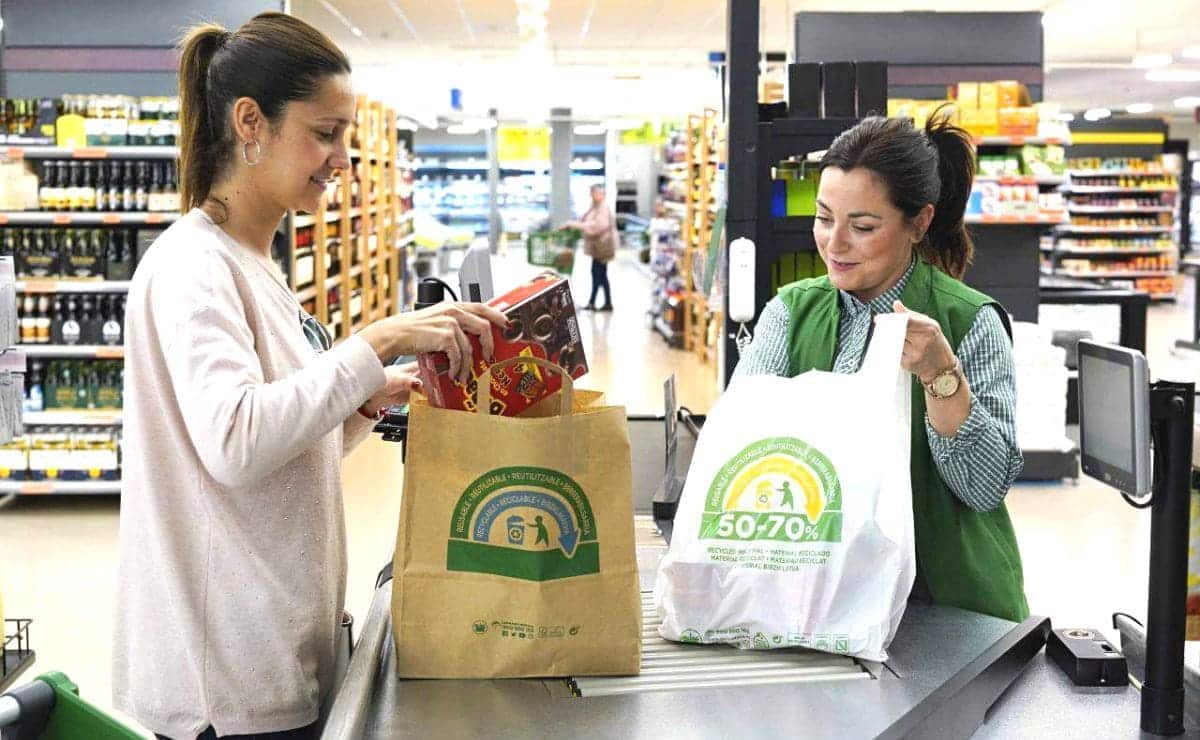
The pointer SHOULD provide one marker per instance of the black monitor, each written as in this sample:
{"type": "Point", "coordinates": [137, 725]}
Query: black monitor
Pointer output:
{"type": "Point", "coordinates": [1114, 416]}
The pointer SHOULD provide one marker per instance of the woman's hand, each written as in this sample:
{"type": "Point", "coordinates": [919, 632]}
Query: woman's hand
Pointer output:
{"type": "Point", "coordinates": [402, 380]}
{"type": "Point", "coordinates": [440, 328]}
{"type": "Point", "coordinates": [926, 351]}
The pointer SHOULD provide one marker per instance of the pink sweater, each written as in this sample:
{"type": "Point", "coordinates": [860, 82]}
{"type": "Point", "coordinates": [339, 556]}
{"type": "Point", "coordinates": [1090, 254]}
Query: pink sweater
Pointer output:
{"type": "Point", "coordinates": [232, 565]}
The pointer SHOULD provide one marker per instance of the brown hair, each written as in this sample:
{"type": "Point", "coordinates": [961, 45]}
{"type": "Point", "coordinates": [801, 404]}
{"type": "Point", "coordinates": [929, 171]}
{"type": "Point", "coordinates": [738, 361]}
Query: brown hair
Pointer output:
{"type": "Point", "coordinates": [273, 58]}
{"type": "Point", "coordinates": [935, 166]}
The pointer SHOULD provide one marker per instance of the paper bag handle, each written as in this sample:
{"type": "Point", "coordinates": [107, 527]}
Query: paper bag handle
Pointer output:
{"type": "Point", "coordinates": [483, 401]}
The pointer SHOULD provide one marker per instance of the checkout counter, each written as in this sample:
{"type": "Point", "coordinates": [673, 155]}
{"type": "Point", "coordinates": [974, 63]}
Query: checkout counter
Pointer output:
{"type": "Point", "coordinates": [950, 673]}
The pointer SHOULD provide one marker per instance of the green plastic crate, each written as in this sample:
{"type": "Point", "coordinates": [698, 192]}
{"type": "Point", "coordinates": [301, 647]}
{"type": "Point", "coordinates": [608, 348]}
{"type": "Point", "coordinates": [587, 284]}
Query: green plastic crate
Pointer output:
{"type": "Point", "coordinates": [553, 249]}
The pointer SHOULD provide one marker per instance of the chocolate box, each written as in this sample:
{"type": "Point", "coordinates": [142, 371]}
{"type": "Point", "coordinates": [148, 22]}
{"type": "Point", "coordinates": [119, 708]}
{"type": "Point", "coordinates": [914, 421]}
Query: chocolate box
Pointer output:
{"type": "Point", "coordinates": [544, 325]}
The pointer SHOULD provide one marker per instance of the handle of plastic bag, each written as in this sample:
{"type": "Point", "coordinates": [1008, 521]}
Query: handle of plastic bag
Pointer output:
{"type": "Point", "coordinates": [483, 403]}
{"type": "Point", "coordinates": [887, 345]}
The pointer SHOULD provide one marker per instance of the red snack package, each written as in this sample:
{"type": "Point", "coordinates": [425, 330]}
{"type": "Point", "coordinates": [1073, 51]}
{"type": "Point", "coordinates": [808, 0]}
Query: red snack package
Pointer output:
{"type": "Point", "coordinates": [543, 325]}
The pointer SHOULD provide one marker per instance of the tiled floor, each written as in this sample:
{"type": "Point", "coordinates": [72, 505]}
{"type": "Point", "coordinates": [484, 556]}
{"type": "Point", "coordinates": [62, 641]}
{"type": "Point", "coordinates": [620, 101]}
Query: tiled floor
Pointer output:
{"type": "Point", "coordinates": [1084, 549]}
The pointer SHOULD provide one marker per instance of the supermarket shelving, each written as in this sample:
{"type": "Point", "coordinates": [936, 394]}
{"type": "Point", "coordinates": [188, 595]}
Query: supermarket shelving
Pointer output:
{"type": "Point", "coordinates": [1142, 230]}
{"type": "Point", "coordinates": [56, 351]}
{"type": "Point", "coordinates": [72, 286]}
{"type": "Point", "coordinates": [1119, 209]}
{"type": "Point", "coordinates": [53, 417]}
{"type": "Point", "coordinates": [86, 218]}
{"type": "Point", "coordinates": [1031, 218]}
{"type": "Point", "coordinates": [36, 488]}
{"type": "Point", "coordinates": [91, 152]}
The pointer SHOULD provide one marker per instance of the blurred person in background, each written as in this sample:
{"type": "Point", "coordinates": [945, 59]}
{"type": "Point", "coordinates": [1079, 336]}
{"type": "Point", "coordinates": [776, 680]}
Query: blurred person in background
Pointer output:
{"type": "Point", "coordinates": [599, 227]}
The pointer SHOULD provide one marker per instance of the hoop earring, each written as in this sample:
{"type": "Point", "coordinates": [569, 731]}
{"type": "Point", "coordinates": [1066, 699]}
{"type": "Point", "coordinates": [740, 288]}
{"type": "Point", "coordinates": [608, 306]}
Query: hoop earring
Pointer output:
{"type": "Point", "coordinates": [257, 153]}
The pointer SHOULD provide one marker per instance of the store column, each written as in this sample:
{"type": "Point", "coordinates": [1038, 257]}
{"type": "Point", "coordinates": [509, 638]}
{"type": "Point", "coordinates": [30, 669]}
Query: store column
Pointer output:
{"type": "Point", "coordinates": [493, 155]}
{"type": "Point", "coordinates": [560, 165]}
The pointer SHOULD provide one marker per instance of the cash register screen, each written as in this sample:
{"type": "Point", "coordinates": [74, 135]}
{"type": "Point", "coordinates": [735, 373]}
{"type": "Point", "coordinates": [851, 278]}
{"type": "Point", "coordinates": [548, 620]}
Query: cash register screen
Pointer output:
{"type": "Point", "coordinates": [1108, 433]}
{"type": "Point", "coordinates": [1114, 409]}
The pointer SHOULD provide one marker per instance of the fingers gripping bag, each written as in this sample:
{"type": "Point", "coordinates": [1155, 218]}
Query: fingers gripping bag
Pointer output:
{"type": "Point", "coordinates": [795, 527]}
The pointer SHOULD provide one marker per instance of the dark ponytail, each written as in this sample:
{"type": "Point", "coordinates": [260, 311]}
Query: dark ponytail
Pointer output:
{"type": "Point", "coordinates": [274, 58]}
{"type": "Point", "coordinates": [198, 134]}
{"type": "Point", "coordinates": [918, 168]}
{"type": "Point", "coordinates": [947, 244]}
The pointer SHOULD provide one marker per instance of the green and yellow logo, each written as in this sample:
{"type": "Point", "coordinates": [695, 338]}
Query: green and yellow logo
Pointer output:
{"type": "Point", "coordinates": [530, 523]}
{"type": "Point", "coordinates": [781, 489]}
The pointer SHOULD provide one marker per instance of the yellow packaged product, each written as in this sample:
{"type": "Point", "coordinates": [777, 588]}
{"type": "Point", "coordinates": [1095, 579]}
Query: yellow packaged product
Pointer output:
{"type": "Point", "coordinates": [968, 95]}
{"type": "Point", "coordinates": [989, 96]}
{"type": "Point", "coordinates": [1008, 94]}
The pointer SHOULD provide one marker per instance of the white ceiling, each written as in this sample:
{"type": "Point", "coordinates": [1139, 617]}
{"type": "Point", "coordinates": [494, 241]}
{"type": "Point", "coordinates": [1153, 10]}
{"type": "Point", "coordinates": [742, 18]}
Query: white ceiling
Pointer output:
{"type": "Point", "coordinates": [645, 57]}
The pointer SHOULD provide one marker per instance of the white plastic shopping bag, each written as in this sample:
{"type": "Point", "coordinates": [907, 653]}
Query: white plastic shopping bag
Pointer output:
{"type": "Point", "coordinates": [795, 526]}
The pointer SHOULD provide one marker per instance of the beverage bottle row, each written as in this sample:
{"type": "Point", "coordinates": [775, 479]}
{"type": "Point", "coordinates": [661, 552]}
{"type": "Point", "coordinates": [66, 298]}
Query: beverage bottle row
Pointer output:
{"type": "Point", "coordinates": [116, 185]}
{"type": "Point", "coordinates": [70, 319]}
{"type": "Point", "coordinates": [58, 253]}
{"type": "Point", "coordinates": [74, 384]}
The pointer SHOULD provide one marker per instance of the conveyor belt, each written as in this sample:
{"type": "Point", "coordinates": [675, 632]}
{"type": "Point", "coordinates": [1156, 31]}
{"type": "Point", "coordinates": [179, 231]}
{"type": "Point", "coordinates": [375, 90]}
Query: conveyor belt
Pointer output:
{"type": "Point", "coordinates": [672, 666]}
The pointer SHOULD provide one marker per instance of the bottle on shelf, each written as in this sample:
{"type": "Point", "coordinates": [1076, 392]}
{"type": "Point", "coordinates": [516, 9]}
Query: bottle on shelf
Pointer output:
{"type": "Point", "coordinates": [112, 332]}
{"type": "Point", "coordinates": [57, 318]}
{"type": "Point", "coordinates": [28, 320]}
{"type": "Point", "coordinates": [63, 189]}
{"type": "Point", "coordinates": [127, 187]}
{"type": "Point", "coordinates": [87, 187]}
{"type": "Point", "coordinates": [101, 187]}
{"type": "Point", "coordinates": [154, 195]}
{"type": "Point", "coordinates": [34, 398]}
{"type": "Point", "coordinates": [75, 191]}
{"type": "Point", "coordinates": [115, 186]}
{"type": "Point", "coordinates": [47, 195]}
{"type": "Point", "coordinates": [141, 189]}
{"type": "Point", "coordinates": [171, 189]}
{"type": "Point", "coordinates": [43, 319]}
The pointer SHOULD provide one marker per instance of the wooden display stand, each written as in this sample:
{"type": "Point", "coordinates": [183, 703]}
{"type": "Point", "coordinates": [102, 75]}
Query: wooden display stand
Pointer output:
{"type": "Point", "coordinates": [372, 234]}
{"type": "Point", "coordinates": [703, 154]}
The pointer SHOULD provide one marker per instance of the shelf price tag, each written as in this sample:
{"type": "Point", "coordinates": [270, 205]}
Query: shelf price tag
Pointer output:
{"type": "Point", "coordinates": [15, 152]}
{"type": "Point", "coordinates": [110, 353]}
{"type": "Point", "coordinates": [37, 488]}
{"type": "Point", "coordinates": [3, 219]}
{"type": "Point", "coordinates": [90, 153]}
{"type": "Point", "coordinates": [62, 219]}
{"type": "Point", "coordinates": [154, 218]}
{"type": "Point", "coordinates": [41, 286]}
{"type": "Point", "coordinates": [110, 218]}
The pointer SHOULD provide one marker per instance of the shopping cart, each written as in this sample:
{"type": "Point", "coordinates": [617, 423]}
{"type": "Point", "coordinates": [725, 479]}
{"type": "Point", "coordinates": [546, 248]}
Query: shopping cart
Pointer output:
{"type": "Point", "coordinates": [553, 249]}
{"type": "Point", "coordinates": [49, 708]}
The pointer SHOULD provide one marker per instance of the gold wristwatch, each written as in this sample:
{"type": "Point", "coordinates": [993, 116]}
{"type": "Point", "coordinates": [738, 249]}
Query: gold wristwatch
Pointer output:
{"type": "Point", "coordinates": [946, 383]}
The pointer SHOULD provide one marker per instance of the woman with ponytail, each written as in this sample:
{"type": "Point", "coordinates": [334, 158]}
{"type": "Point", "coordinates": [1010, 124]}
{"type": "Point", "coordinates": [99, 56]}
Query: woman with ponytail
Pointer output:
{"type": "Point", "coordinates": [889, 227]}
{"type": "Point", "coordinates": [239, 407]}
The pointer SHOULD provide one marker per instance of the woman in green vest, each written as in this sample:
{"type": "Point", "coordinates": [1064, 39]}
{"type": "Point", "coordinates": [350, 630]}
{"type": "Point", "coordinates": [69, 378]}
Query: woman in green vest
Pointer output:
{"type": "Point", "coordinates": [889, 227]}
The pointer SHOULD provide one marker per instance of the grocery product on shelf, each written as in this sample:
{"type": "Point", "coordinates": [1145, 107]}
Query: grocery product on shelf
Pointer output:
{"type": "Point", "coordinates": [80, 385]}
{"type": "Point", "coordinates": [72, 319]}
{"type": "Point", "coordinates": [65, 453]}
{"type": "Point", "coordinates": [108, 185]}
{"type": "Point", "coordinates": [67, 253]}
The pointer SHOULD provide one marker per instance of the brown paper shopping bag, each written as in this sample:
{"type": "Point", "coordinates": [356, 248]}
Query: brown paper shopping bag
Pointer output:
{"type": "Point", "coordinates": [515, 555]}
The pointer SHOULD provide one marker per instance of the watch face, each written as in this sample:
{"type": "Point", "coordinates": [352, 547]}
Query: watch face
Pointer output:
{"type": "Point", "coordinates": [945, 384]}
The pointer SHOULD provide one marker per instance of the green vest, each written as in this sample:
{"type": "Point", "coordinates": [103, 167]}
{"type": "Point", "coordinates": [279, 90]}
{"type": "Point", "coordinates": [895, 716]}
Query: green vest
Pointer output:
{"type": "Point", "coordinates": [968, 559]}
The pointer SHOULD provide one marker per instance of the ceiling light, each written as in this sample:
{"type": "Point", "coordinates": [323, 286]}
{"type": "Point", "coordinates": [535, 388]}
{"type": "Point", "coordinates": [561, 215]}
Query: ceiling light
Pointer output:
{"type": "Point", "coordinates": [1064, 117]}
{"type": "Point", "coordinates": [591, 129]}
{"type": "Point", "coordinates": [1139, 107]}
{"type": "Point", "coordinates": [533, 6]}
{"type": "Point", "coordinates": [623, 124]}
{"type": "Point", "coordinates": [1190, 52]}
{"type": "Point", "coordinates": [461, 129]}
{"type": "Point", "coordinates": [1097, 114]}
{"type": "Point", "coordinates": [1188, 101]}
{"type": "Point", "coordinates": [356, 31]}
{"type": "Point", "coordinates": [1149, 61]}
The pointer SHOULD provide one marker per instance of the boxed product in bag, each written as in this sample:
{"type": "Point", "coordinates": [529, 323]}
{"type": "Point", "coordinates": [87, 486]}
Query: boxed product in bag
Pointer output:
{"type": "Point", "coordinates": [544, 326]}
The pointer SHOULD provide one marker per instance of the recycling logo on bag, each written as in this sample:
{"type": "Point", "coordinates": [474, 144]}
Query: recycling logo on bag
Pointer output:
{"type": "Point", "coordinates": [530, 523]}
{"type": "Point", "coordinates": [780, 489]}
